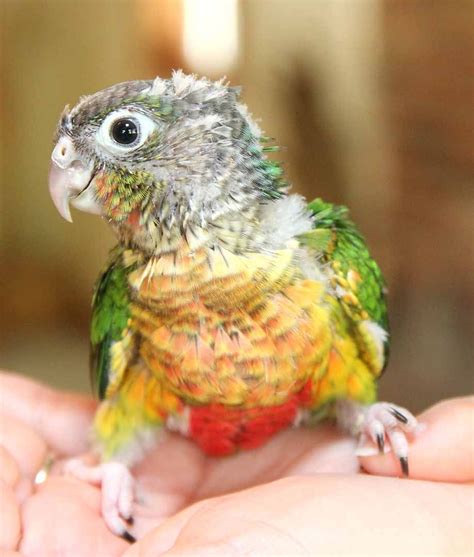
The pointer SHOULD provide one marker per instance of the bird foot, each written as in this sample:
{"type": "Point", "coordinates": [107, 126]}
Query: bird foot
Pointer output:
{"type": "Point", "coordinates": [117, 492]}
{"type": "Point", "coordinates": [381, 427]}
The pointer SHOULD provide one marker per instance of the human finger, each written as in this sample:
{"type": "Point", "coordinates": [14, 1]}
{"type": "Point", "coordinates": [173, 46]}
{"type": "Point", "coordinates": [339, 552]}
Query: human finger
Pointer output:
{"type": "Point", "coordinates": [442, 451]}
{"type": "Point", "coordinates": [23, 444]}
{"type": "Point", "coordinates": [162, 538]}
{"type": "Point", "coordinates": [62, 418]}
{"type": "Point", "coordinates": [302, 516]}
{"type": "Point", "coordinates": [73, 508]}
{"type": "Point", "coordinates": [9, 470]}
{"type": "Point", "coordinates": [10, 523]}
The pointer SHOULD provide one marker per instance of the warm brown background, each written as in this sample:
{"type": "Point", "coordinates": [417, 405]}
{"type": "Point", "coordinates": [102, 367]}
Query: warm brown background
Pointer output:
{"type": "Point", "coordinates": [373, 101]}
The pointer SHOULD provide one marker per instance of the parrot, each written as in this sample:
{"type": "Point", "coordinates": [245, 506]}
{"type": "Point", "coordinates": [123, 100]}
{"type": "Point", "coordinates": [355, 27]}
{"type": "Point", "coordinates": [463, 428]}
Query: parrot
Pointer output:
{"type": "Point", "coordinates": [230, 308]}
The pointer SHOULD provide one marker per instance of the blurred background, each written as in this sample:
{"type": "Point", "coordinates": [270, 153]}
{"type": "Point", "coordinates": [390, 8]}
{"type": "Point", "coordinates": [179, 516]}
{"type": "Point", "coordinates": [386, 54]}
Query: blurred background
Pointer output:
{"type": "Point", "coordinates": [372, 101]}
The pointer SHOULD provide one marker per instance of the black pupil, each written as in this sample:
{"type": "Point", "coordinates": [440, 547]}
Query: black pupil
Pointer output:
{"type": "Point", "coordinates": [125, 131]}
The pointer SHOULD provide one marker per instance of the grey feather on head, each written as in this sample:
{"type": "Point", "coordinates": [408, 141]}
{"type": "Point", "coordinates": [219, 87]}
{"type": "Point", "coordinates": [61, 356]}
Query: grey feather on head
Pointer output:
{"type": "Point", "coordinates": [203, 154]}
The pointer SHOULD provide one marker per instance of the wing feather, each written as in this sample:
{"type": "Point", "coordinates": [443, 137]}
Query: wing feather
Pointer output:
{"type": "Point", "coordinates": [111, 337]}
{"type": "Point", "coordinates": [356, 278]}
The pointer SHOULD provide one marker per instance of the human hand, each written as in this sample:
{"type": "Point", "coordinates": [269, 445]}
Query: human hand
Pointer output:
{"type": "Point", "coordinates": [65, 513]}
{"type": "Point", "coordinates": [355, 514]}
{"type": "Point", "coordinates": [63, 516]}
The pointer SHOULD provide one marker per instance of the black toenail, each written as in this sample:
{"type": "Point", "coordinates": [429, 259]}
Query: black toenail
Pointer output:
{"type": "Point", "coordinates": [400, 417]}
{"type": "Point", "coordinates": [404, 465]}
{"type": "Point", "coordinates": [380, 442]}
{"type": "Point", "coordinates": [128, 537]}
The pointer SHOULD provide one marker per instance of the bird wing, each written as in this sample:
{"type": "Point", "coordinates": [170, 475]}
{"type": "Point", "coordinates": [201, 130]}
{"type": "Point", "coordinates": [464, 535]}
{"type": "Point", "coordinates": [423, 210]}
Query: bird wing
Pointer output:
{"type": "Point", "coordinates": [112, 340]}
{"type": "Point", "coordinates": [356, 280]}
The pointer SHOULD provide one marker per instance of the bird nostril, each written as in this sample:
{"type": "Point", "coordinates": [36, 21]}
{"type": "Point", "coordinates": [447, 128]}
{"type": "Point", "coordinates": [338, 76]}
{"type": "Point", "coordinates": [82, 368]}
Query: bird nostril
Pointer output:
{"type": "Point", "coordinates": [64, 152]}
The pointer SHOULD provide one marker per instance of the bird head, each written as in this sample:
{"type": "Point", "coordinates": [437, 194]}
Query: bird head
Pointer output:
{"type": "Point", "coordinates": [161, 154]}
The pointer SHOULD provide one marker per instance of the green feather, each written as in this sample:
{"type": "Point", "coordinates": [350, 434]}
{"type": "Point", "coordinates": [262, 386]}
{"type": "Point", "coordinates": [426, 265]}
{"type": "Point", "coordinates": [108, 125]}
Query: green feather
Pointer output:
{"type": "Point", "coordinates": [337, 241]}
{"type": "Point", "coordinates": [110, 315]}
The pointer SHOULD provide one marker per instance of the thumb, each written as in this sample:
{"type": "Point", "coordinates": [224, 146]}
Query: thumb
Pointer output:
{"type": "Point", "coordinates": [161, 540]}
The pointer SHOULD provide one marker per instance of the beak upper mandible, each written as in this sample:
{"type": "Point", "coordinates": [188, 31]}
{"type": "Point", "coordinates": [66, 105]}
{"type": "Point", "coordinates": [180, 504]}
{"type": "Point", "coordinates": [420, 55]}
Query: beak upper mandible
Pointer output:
{"type": "Point", "coordinates": [69, 176]}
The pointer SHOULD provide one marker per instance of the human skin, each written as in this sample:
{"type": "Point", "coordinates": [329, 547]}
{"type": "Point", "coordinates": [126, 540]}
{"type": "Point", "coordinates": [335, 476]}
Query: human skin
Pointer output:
{"type": "Point", "coordinates": [301, 494]}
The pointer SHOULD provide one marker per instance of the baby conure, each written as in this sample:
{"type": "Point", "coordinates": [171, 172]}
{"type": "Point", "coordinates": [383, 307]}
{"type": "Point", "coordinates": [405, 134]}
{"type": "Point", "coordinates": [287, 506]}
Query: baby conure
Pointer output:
{"type": "Point", "coordinates": [229, 309]}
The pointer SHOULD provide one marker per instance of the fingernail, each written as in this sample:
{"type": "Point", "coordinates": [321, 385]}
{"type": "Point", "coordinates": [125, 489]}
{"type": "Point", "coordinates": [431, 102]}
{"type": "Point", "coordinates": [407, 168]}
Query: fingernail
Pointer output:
{"type": "Point", "coordinates": [420, 428]}
{"type": "Point", "coordinates": [366, 450]}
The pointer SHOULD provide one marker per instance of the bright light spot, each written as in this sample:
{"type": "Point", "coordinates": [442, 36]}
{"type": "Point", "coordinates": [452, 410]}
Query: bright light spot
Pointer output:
{"type": "Point", "coordinates": [210, 37]}
{"type": "Point", "coordinates": [41, 476]}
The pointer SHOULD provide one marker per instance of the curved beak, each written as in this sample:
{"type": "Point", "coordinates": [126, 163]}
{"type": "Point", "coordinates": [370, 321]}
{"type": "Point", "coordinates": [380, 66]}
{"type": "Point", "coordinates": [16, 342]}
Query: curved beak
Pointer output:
{"type": "Point", "coordinates": [70, 180]}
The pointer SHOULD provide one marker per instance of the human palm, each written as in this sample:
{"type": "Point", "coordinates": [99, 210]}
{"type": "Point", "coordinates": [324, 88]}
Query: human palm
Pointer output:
{"type": "Point", "coordinates": [189, 503]}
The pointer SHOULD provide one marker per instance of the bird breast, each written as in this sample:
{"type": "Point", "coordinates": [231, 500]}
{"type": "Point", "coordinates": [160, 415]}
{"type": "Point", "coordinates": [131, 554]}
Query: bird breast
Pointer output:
{"type": "Point", "coordinates": [229, 329]}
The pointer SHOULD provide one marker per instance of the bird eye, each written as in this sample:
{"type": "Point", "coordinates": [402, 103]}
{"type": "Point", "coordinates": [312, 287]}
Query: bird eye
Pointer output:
{"type": "Point", "coordinates": [125, 131]}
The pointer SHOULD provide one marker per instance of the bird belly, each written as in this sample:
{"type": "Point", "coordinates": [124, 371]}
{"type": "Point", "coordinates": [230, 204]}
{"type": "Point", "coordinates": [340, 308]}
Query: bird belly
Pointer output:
{"type": "Point", "coordinates": [243, 332]}
{"type": "Point", "coordinates": [221, 430]}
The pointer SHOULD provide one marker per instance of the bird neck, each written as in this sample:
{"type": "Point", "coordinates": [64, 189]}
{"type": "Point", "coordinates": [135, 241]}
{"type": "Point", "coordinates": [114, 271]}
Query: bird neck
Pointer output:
{"type": "Point", "coordinates": [263, 225]}
{"type": "Point", "coordinates": [236, 231]}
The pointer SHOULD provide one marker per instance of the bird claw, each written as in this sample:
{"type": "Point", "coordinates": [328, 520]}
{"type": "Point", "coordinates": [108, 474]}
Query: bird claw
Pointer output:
{"type": "Point", "coordinates": [118, 488]}
{"type": "Point", "coordinates": [387, 426]}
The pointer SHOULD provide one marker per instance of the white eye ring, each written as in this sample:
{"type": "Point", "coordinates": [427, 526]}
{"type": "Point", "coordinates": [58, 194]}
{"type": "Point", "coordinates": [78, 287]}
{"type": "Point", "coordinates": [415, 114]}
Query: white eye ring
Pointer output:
{"type": "Point", "coordinates": [145, 125]}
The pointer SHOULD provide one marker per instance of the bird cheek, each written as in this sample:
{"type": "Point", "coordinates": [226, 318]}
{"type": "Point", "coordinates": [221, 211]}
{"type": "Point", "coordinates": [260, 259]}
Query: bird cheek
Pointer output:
{"type": "Point", "coordinates": [105, 188]}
